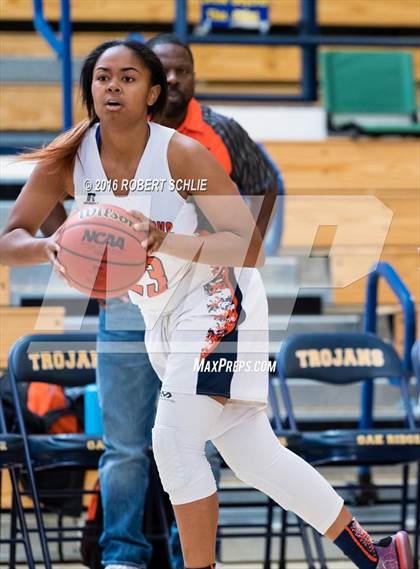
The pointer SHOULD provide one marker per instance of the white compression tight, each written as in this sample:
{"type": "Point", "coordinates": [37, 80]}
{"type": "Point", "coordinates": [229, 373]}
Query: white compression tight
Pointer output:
{"type": "Point", "coordinates": [244, 437]}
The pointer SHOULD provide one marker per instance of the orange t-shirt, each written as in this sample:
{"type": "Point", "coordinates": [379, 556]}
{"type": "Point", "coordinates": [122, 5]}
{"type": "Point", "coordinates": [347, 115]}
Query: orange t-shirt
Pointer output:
{"type": "Point", "coordinates": [195, 127]}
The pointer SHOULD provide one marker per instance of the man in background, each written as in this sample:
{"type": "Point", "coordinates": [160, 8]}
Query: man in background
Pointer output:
{"type": "Point", "coordinates": [127, 385]}
{"type": "Point", "coordinates": [222, 136]}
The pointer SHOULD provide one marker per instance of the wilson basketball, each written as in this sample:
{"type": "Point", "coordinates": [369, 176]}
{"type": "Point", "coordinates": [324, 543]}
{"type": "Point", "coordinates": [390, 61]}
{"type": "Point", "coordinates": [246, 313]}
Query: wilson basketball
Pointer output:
{"type": "Point", "coordinates": [101, 252]}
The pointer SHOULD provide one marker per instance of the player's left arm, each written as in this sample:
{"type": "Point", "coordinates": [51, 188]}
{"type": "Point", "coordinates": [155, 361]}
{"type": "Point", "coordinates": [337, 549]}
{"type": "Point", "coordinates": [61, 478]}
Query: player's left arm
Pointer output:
{"type": "Point", "coordinates": [253, 174]}
{"type": "Point", "coordinates": [236, 241]}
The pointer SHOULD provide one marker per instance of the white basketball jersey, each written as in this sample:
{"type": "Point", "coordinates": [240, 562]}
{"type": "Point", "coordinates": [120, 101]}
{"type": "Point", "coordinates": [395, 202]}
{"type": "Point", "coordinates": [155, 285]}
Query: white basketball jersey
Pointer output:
{"type": "Point", "coordinates": [151, 192]}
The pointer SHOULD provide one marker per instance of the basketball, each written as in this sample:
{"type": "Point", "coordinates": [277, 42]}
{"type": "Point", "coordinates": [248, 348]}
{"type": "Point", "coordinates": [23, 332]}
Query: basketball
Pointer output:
{"type": "Point", "coordinates": [236, 376]}
{"type": "Point", "coordinates": [101, 252]}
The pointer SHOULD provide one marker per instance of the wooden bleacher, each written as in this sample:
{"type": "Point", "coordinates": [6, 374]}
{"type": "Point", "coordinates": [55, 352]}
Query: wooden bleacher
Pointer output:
{"type": "Point", "coordinates": [241, 63]}
{"type": "Point", "coordinates": [385, 169]}
{"type": "Point", "coordinates": [246, 68]}
{"type": "Point", "coordinates": [34, 107]}
{"type": "Point", "coordinates": [4, 285]}
{"type": "Point", "coordinates": [255, 69]}
{"type": "Point", "coordinates": [388, 169]}
{"type": "Point", "coordinates": [285, 12]}
{"type": "Point", "coordinates": [17, 321]}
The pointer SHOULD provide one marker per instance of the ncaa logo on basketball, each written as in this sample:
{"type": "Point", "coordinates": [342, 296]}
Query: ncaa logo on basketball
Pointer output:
{"type": "Point", "coordinates": [103, 238]}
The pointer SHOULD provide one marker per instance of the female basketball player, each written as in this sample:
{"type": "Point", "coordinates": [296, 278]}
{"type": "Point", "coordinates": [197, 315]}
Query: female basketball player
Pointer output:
{"type": "Point", "coordinates": [205, 316]}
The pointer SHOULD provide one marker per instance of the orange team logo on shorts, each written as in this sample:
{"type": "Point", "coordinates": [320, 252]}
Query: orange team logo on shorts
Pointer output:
{"type": "Point", "coordinates": [223, 305]}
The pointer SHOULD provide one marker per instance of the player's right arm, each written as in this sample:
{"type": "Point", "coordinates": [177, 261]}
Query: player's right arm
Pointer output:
{"type": "Point", "coordinates": [55, 220]}
{"type": "Point", "coordinates": [39, 196]}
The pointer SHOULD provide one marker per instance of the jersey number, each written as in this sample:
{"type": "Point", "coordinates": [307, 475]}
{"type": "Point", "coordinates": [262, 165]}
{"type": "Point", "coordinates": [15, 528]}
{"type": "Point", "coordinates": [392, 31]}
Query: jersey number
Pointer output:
{"type": "Point", "coordinates": [156, 272]}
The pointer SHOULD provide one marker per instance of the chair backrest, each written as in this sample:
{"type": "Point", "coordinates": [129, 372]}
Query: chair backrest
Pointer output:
{"type": "Point", "coordinates": [67, 359]}
{"type": "Point", "coordinates": [339, 358]}
{"type": "Point", "coordinates": [368, 82]}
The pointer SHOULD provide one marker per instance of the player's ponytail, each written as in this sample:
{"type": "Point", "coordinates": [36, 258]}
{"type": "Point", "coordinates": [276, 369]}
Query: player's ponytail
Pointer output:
{"type": "Point", "coordinates": [61, 152]}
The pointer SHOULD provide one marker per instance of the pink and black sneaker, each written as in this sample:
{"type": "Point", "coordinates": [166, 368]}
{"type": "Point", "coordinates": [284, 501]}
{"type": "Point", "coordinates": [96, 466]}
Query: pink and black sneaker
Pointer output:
{"type": "Point", "coordinates": [394, 552]}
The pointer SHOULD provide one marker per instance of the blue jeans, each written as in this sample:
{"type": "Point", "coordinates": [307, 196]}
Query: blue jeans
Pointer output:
{"type": "Point", "coordinates": [128, 389]}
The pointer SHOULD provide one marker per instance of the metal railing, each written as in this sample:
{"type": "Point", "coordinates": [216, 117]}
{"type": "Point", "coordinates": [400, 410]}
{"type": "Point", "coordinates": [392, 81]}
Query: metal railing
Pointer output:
{"type": "Point", "coordinates": [307, 38]}
{"type": "Point", "coordinates": [394, 281]}
{"type": "Point", "coordinates": [62, 47]}
{"type": "Point", "coordinates": [392, 278]}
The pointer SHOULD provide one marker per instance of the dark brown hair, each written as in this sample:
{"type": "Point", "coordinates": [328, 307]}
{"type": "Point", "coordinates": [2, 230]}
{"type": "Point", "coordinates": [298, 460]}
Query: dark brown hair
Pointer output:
{"type": "Point", "coordinates": [62, 150]}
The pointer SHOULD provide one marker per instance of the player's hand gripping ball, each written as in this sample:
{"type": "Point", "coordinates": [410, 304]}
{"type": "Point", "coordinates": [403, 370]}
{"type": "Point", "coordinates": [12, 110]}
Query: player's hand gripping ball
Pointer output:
{"type": "Point", "coordinates": [154, 236]}
{"type": "Point", "coordinates": [101, 252]}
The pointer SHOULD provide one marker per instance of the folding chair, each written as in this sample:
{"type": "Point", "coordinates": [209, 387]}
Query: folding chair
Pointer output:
{"type": "Point", "coordinates": [68, 360]}
{"type": "Point", "coordinates": [12, 459]}
{"type": "Point", "coordinates": [363, 85]}
{"type": "Point", "coordinates": [347, 358]}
